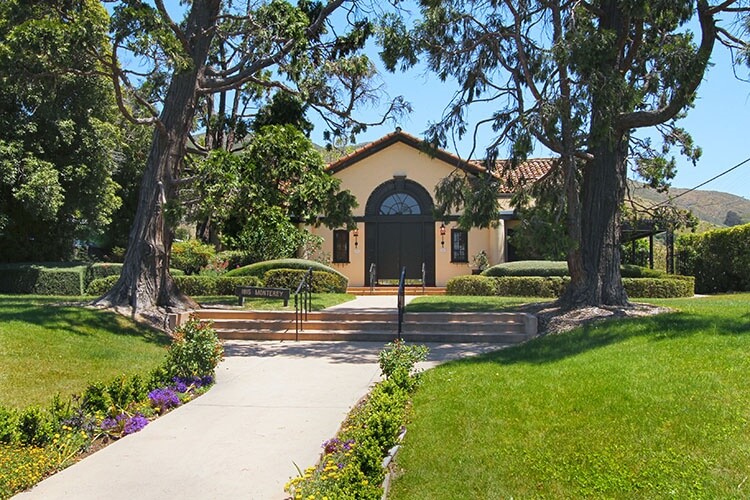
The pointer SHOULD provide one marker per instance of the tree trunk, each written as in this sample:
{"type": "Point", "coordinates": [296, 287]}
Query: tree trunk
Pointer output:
{"type": "Point", "coordinates": [595, 274]}
{"type": "Point", "coordinates": [145, 286]}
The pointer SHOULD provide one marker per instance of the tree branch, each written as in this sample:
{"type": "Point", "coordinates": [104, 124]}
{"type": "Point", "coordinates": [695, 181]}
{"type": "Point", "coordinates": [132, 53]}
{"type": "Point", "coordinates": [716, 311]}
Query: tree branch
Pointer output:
{"type": "Point", "coordinates": [683, 94]}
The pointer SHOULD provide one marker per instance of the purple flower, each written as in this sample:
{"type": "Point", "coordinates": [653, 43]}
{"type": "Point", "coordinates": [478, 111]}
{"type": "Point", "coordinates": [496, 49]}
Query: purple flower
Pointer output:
{"type": "Point", "coordinates": [180, 385]}
{"type": "Point", "coordinates": [164, 398]}
{"type": "Point", "coordinates": [206, 380]}
{"type": "Point", "coordinates": [134, 424]}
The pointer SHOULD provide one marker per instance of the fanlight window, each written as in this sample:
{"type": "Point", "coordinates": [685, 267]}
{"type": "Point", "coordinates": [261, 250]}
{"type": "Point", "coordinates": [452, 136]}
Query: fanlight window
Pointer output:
{"type": "Point", "coordinates": [400, 204]}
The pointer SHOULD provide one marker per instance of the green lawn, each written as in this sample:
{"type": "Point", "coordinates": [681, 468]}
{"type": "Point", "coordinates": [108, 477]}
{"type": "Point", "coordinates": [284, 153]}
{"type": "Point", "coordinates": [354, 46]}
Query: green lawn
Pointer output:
{"type": "Point", "coordinates": [642, 408]}
{"type": "Point", "coordinates": [465, 303]}
{"type": "Point", "coordinates": [48, 348]}
{"type": "Point", "coordinates": [319, 301]}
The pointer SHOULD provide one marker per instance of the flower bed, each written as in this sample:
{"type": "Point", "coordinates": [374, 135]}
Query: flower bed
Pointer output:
{"type": "Point", "coordinates": [351, 464]}
{"type": "Point", "coordinates": [43, 441]}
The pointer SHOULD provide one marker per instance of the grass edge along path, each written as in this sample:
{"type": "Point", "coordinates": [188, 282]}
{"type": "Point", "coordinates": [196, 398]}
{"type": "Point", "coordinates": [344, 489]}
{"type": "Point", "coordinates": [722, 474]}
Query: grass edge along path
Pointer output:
{"type": "Point", "coordinates": [637, 408]}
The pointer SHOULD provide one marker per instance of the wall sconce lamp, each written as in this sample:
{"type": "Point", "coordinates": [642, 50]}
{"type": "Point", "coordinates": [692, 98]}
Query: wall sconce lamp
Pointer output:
{"type": "Point", "coordinates": [442, 234]}
{"type": "Point", "coordinates": [355, 233]}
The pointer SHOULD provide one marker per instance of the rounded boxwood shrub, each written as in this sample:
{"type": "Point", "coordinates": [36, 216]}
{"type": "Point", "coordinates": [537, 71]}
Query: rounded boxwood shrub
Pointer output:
{"type": "Point", "coordinates": [322, 281]}
{"type": "Point", "coordinates": [259, 269]}
{"type": "Point", "coordinates": [528, 268]}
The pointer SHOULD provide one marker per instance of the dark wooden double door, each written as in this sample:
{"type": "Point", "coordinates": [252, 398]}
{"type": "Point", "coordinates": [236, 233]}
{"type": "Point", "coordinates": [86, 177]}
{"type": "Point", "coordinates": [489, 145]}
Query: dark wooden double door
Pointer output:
{"type": "Point", "coordinates": [395, 242]}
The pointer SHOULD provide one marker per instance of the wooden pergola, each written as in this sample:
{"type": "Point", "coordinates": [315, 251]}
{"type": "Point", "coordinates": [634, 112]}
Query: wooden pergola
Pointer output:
{"type": "Point", "coordinates": [647, 228]}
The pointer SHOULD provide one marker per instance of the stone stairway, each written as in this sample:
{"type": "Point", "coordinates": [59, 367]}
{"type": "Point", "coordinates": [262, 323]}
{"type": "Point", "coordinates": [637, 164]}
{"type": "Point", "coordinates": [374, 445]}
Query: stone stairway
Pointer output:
{"type": "Point", "coordinates": [374, 326]}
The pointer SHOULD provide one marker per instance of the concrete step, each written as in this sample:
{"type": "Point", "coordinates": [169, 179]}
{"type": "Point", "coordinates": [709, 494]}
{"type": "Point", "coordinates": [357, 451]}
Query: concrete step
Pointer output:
{"type": "Point", "coordinates": [373, 336]}
{"type": "Point", "coordinates": [375, 326]}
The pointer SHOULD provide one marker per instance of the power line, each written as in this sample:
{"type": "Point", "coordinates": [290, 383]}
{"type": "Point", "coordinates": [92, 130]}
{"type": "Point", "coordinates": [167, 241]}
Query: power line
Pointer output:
{"type": "Point", "coordinates": [705, 182]}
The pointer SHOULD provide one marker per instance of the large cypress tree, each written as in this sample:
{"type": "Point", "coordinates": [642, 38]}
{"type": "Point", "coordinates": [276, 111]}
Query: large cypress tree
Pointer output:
{"type": "Point", "coordinates": [580, 78]}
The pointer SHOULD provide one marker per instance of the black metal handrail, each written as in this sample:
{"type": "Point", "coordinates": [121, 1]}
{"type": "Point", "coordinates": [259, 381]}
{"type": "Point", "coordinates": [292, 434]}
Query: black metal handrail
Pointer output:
{"type": "Point", "coordinates": [401, 300]}
{"type": "Point", "coordinates": [373, 277]}
{"type": "Point", "coordinates": [424, 274]}
{"type": "Point", "coordinates": [300, 310]}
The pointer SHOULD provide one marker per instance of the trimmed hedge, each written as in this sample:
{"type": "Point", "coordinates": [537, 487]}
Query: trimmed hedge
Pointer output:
{"type": "Point", "coordinates": [102, 270]}
{"type": "Point", "coordinates": [190, 285]}
{"type": "Point", "coordinates": [560, 268]}
{"type": "Point", "coordinates": [553, 286]}
{"type": "Point", "coordinates": [470, 285]}
{"type": "Point", "coordinates": [214, 285]}
{"type": "Point", "coordinates": [659, 288]}
{"type": "Point", "coordinates": [42, 279]}
{"type": "Point", "coordinates": [719, 260]}
{"type": "Point", "coordinates": [100, 286]}
{"type": "Point", "coordinates": [531, 286]}
{"type": "Point", "coordinates": [528, 268]}
{"type": "Point", "coordinates": [322, 281]}
{"type": "Point", "coordinates": [259, 269]}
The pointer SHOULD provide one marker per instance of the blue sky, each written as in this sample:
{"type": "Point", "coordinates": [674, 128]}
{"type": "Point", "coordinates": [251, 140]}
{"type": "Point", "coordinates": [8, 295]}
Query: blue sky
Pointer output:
{"type": "Point", "coordinates": [719, 123]}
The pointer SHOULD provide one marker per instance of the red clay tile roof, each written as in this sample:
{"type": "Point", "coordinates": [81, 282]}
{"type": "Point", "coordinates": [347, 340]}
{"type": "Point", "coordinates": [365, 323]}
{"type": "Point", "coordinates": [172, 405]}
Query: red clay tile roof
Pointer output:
{"type": "Point", "coordinates": [530, 171]}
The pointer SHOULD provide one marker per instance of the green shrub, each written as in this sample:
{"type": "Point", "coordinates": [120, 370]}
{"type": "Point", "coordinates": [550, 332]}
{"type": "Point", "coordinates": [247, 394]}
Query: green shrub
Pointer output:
{"type": "Point", "coordinates": [191, 255]}
{"type": "Point", "coordinates": [34, 427]}
{"type": "Point", "coordinates": [530, 286]}
{"type": "Point", "coordinates": [653, 288]}
{"type": "Point", "coordinates": [559, 268]}
{"type": "Point", "coordinates": [397, 361]}
{"type": "Point", "coordinates": [322, 281]}
{"type": "Point", "coordinates": [96, 399]}
{"type": "Point", "coordinates": [234, 258]}
{"type": "Point", "coordinates": [102, 270]}
{"type": "Point", "coordinates": [259, 269]}
{"type": "Point", "coordinates": [195, 351]}
{"type": "Point", "coordinates": [214, 285]}
{"type": "Point", "coordinates": [470, 285]}
{"type": "Point", "coordinates": [8, 426]}
{"type": "Point", "coordinates": [100, 286]}
{"type": "Point", "coordinates": [668, 286]}
{"type": "Point", "coordinates": [631, 271]}
{"type": "Point", "coordinates": [123, 391]}
{"type": "Point", "coordinates": [719, 260]}
{"type": "Point", "coordinates": [42, 279]}
{"type": "Point", "coordinates": [528, 268]}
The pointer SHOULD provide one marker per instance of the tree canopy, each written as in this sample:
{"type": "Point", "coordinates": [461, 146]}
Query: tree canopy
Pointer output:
{"type": "Point", "coordinates": [257, 197]}
{"type": "Point", "coordinates": [579, 78]}
{"type": "Point", "coordinates": [242, 47]}
{"type": "Point", "coordinates": [57, 134]}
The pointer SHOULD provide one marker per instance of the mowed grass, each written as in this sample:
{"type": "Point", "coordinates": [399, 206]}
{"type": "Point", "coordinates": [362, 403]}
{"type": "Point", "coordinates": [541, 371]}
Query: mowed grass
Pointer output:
{"type": "Point", "coordinates": [465, 303]}
{"type": "Point", "coordinates": [319, 301]}
{"type": "Point", "coordinates": [47, 348]}
{"type": "Point", "coordinates": [641, 408]}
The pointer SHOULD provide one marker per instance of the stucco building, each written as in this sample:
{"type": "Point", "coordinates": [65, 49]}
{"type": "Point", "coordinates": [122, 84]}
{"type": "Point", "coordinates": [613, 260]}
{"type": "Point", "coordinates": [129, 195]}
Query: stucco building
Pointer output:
{"type": "Point", "coordinates": [394, 182]}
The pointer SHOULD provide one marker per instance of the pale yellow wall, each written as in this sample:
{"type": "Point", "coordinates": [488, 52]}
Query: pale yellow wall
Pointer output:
{"type": "Point", "coordinates": [363, 177]}
{"type": "Point", "coordinates": [398, 159]}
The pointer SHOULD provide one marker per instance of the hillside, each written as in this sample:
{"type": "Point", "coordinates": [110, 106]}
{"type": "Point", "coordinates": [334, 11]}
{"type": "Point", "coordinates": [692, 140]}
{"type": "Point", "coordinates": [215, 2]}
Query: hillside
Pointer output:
{"type": "Point", "coordinates": [709, 206]}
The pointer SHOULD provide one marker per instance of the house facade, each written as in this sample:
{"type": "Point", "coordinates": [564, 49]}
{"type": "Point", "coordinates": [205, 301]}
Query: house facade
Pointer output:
{"type": "Point", "coordinates": [394, 183]}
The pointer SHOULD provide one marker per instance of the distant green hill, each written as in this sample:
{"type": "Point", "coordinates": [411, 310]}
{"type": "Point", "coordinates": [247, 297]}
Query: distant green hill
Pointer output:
{"type": "Point", "coordinates": [709, 206]}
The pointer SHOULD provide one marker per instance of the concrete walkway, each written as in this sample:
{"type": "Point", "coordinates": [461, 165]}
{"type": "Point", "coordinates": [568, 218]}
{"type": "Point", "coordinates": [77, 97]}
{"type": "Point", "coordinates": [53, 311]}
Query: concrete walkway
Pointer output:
{"type": "Point", "coordinates": [273, 405]}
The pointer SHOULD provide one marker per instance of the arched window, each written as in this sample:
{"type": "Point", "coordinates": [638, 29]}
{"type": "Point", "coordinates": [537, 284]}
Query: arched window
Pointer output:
{"type": "Point", "coordinates": [400, 204]}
